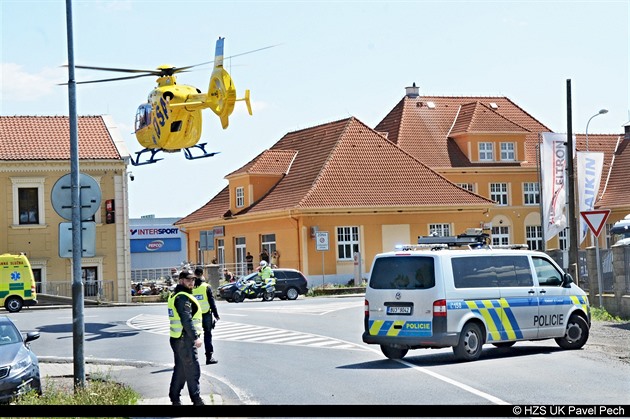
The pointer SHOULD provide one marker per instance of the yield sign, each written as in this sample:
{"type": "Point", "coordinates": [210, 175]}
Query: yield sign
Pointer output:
{"type": "Point", "coordinates": [595, 219]}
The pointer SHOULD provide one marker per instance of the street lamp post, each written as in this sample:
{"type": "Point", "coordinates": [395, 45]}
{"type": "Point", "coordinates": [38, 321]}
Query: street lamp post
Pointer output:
{"type": "Point", "coordinates": [595, 239]}
{"type": "Point", "coordinates": [601, 112]}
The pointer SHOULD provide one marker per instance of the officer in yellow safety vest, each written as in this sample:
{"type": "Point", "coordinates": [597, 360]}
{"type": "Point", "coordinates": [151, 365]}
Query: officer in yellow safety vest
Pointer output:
{"type": "Point", "coordinates": [203, 294]}
{"type": "Point", "coordinates": [265, 274]}
{"type": "Point", "coordinates": [186, 332]}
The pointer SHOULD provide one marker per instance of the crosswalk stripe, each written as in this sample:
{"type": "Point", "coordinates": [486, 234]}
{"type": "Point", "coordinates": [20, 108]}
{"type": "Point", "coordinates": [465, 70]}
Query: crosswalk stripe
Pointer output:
{"type": "Point", "coordinates": [240, 332]}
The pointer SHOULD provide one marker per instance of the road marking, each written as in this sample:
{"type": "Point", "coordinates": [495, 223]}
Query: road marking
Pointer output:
{"type": "Point", "coordinates": [297, 308]}
{"type": "Point", "coordinates": [231, 331]}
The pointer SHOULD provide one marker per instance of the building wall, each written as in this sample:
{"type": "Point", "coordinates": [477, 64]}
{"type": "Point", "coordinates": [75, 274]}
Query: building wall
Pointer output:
{"type": "Point", "coordinates": [41, 242]}
{"type": "Point", "coordinates": [147, 230]}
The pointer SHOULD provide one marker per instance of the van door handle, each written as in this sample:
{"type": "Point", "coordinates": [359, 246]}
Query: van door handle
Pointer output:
{"type": "Point", "coordinates": [543, 291]}
{"type": "Point", "coordinates": [532, 292]}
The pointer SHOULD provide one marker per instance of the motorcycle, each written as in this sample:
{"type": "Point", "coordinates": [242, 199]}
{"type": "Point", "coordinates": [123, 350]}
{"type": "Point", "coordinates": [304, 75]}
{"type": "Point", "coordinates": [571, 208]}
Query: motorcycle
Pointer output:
{"type": "Point", "coordinates": [252, 289]}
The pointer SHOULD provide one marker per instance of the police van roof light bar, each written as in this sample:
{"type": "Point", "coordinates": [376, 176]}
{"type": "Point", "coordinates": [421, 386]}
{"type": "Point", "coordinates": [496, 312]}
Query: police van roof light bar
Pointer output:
{"type": "Point", "coordinates": [476, 239]}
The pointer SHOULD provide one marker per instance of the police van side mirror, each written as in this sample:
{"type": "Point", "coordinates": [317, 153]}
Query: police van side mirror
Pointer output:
{"type": "Point", "coordinates": [567, 280]}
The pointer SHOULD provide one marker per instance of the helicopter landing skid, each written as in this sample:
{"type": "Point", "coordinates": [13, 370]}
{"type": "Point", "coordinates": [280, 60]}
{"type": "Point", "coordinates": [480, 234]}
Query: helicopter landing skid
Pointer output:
{"type": "Point", "coordinates": [152, 159]}
{"type": "Point", "coordinates": [202, 147]}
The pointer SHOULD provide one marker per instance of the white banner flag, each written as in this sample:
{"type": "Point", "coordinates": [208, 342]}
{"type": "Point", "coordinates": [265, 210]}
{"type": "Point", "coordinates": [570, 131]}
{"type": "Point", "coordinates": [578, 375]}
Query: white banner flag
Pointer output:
{"type": "Point", "coordinates": [589, 175]}
{"type": "Point", "coordinates": [553, 162]}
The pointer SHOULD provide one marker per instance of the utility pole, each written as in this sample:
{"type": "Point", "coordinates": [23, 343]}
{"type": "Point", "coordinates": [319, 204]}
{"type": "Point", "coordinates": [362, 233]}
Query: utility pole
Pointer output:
{"type": "Point", "coordinates": [572, 220]}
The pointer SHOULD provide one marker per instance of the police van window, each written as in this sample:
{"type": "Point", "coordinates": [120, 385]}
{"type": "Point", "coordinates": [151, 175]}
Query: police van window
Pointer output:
{"type": "Point", "coordinates": [547, 274]}
{"type": "Point", "coordinates": [495, 271]}
{"type": "Point", "coordinates": [415, 272]}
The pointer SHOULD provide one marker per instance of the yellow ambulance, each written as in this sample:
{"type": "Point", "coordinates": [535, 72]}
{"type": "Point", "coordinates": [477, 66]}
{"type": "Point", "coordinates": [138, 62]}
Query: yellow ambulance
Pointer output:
{"type": "Point", "coordinates": [17, 284]}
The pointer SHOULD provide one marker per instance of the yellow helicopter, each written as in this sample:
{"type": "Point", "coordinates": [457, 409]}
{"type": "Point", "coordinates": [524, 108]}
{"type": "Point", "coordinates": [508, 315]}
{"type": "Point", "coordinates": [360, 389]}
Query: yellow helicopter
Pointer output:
{"type": "Point", "coordinates": [170, 120]}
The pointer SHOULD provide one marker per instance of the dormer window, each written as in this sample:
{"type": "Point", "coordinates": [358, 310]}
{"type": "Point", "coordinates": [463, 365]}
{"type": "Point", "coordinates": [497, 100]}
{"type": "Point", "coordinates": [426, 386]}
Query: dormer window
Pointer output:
{"type": "Point", "coordinates": [240, 197]}
{"type": "Point", "coordinates": [507, 152]}
{"type": "Point", "coordinates": [486, 152]}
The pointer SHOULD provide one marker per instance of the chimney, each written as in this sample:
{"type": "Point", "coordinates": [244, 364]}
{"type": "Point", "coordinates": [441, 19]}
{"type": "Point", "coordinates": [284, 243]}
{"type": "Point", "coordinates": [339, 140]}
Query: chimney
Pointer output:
{"type": "Point", "coordinates": [626, 131]}
{"type": "Point", "coordinates": [413, 91]}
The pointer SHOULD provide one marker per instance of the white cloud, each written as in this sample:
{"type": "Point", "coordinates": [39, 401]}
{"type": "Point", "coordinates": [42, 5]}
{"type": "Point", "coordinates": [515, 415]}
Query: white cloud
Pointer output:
{"type": "Point", "coordinates": [20, 86]}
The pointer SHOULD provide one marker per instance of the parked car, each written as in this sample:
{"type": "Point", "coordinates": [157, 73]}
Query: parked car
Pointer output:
{"type": "Point", "coordinates": [19, 367]}
{"type": "Point", "coordinates": [290, 283]}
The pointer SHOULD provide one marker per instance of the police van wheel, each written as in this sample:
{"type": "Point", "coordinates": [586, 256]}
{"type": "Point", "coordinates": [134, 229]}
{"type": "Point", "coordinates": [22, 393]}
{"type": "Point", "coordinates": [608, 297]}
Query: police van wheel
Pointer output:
{"type": "Point", "coordinates": [13, 304]}
{"type": "Point", "coordinates": [576, 334]}
{"type": "Point", "coordinates": [394, 353]}
{"type": "Point", "coordinates": [470, 343]}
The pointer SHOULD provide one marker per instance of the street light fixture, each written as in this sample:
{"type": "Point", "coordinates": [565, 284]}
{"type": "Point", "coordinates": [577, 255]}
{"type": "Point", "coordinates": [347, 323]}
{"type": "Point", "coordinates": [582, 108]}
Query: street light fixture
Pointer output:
{"type": "Point", "coordinates": [601, 112]}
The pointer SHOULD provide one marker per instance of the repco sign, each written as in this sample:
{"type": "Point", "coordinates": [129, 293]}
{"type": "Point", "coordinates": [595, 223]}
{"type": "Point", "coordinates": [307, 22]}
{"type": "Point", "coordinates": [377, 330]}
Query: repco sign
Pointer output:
{"type": "Point", "coordinates": [155, 245]}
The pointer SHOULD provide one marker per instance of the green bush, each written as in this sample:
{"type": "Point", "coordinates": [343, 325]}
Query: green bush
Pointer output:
{"type": "Point", "coordinates": [601, 314]}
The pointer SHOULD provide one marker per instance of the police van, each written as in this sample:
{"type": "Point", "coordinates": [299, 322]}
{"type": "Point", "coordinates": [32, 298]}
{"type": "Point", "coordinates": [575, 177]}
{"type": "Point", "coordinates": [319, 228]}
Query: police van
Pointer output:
{"type": "Point", "coordinates": [17, 284]}
{"type": "Point", "coordinates": [460, 292]}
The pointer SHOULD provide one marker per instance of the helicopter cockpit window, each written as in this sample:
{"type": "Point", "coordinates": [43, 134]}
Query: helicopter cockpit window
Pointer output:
{"type": "Point", "coordinates": [143, 116]}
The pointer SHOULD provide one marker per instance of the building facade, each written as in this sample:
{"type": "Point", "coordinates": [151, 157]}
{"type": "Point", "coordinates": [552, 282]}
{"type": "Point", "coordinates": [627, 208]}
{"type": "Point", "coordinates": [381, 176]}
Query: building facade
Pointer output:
{"type": "Point", "coordinates": [433, 165]}
{"type": "Point", "coordinates": [34, 156]}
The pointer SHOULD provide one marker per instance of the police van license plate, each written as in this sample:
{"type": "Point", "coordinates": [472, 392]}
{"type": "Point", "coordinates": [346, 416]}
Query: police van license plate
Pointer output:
{"type": "Point", "coordinates": [399, 309]}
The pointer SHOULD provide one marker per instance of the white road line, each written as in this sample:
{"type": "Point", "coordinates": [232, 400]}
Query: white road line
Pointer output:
{"type": "Point", "coordinates": [234, 332]}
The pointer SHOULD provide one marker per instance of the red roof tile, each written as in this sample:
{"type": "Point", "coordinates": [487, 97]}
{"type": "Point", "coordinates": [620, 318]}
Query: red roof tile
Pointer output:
{"type": "Point", "coordinates": [48, 138]}
{"type": "Point", "coordinates": [346, 164]}
{"type": "Point", "coordinates": [423, 130]}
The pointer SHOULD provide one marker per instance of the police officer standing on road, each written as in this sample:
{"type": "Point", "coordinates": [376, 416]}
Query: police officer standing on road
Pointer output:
{"type": "Point", "coordinates": [205, 298]}
{"type": "Point", "coordinates": [186, 332]}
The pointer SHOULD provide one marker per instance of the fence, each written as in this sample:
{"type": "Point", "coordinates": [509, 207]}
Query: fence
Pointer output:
{"type": "Point", "coordinates": [95, 290]}
{"type": "Point", "coordinates": [615, 276]}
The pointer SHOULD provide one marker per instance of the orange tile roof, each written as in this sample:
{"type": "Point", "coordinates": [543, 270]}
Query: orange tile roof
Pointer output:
{"type": "Point", "coordinates": [48, 138]}
{"type": "Point", "coordinates": [346, 164]}
{"type": "Point", "coordinates": [614, 191]}
{"type": "Point", "coordinates": [475, 117]}
{"type": "Point", "coordinates": [423, 130]}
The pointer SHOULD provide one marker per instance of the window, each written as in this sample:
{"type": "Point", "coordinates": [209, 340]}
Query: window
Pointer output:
{"type": "Point", "coordinates": [495, 271]}
{"type": "Point", "coordinates": [268, 242]}
{"type": "Point", "coordinates": [240, 197]}
{"type": "Point", "coordinates": [440, 229]}
{"type": "Point", "coordinates": [90, 281]}
{"type": "Point", "coordinates": [499, 193]}
{"type": "Point", "coordinates": [547, 274]}
{"type": "Point", "coordinates": [533, 235]}
{"type": "Point", "coordinates": [500, 235]}
{"type": "Point", "coordinates": [562, 239]}
{"type": "Point", "coordinates": [28, 201]}
{"type": "Point", "coordinates": [531, 195]}
{"type": "Point", "coordinates": [414, 273]}
{"type": "Point", "coordinates": [485, 152]}
{"type": "Point", "coordinates": [507, 152]}
{"type": "Point", "coordinates": [221, 252]}
{"type": "Point", "coordinates": [468, 186]}
{"type": "Point", "coordinates": [347, 242]}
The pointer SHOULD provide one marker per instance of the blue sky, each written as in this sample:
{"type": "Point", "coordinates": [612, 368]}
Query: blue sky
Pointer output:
{"type": "Point", "coordinates": [335, 59]}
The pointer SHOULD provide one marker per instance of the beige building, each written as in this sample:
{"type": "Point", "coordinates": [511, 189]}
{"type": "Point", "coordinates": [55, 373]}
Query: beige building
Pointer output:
{"type": "Point", "coordinates": [34, 155]}
{"type": "Point", "coordinates": [433, 164]}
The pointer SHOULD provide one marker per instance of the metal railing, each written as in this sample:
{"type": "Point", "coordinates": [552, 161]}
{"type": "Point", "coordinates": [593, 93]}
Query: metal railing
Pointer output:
{"type": "Point", "coordinates": [94, 290]}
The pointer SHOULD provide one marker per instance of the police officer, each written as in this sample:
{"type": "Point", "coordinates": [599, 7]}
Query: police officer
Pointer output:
{"type": "Point", "coordinates": [186, 332]}
{"type": "Point", "coordinates": [205, 298]}
{"type": "Point", "coordinates": [265, 274]}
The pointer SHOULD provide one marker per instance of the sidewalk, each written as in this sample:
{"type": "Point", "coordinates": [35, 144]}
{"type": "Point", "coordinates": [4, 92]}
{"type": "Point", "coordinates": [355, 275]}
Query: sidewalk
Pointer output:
{"type": "Point", "coordinates": [150, 381]}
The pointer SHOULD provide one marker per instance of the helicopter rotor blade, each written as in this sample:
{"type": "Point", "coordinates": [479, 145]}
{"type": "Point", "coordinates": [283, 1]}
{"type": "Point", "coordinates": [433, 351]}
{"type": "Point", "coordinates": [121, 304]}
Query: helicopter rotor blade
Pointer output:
{"type": "Point", "coordinates": [112, 79]}
{"type": "Point", "coordinates": [180, 69]}
{"type": "Point", "coordinates": [120, 70]}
